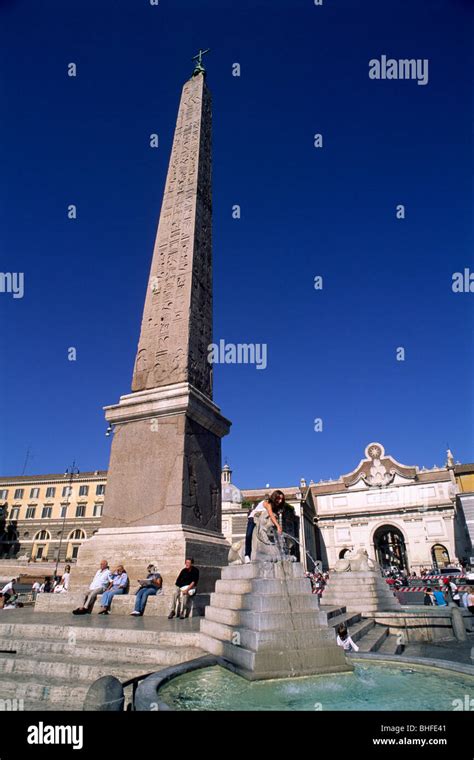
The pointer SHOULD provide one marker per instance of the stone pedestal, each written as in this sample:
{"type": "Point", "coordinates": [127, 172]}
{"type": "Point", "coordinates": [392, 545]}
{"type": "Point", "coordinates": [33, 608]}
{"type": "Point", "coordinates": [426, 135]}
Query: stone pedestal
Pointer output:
{"type": "Point", "coordinates": [163, 499]}
{"type": "Point", "coordinates": [364, 591]}
{"type": "Point", "coordinates": [264, 619]}
{"type": "Point", "coordinates": [166, 546]}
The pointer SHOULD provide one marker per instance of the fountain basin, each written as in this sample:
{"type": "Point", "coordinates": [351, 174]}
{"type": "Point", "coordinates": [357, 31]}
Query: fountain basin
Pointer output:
{"type": "Point", "coordinates": [381, 684]}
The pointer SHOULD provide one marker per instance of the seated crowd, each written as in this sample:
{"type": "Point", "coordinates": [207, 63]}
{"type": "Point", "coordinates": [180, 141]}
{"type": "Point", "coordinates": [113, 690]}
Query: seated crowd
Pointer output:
{"type": "Point", "coordinates": [107, 584]}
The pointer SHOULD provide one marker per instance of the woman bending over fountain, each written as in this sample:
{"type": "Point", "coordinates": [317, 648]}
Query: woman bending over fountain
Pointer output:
{"type": "Point", "coordinates": [273, 504]}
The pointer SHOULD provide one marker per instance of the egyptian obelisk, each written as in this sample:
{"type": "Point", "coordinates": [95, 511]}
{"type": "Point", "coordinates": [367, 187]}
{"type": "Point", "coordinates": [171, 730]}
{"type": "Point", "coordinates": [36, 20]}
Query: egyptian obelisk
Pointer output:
{"type": "Point", "coordinates": [163, 499]}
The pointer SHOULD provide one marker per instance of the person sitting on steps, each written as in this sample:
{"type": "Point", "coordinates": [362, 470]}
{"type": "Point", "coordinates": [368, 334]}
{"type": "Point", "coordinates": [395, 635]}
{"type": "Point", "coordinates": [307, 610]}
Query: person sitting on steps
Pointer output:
{"type": "Point", "coordinates": [98, 585]}
{"type": "Point", "coordinates": [272, 504]}
{"type": "Point", "coordinates": [150, 587]}
{"type": "Point", "coordinates": [119, 584]}
{"type": "Point", "coordinates": [186, 583]}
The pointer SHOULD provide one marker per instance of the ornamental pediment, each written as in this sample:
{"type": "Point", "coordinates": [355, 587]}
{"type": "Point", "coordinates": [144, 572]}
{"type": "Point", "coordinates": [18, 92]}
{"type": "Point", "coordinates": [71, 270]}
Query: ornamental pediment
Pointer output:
{"type": "Point", "coordinates": [378, 470]}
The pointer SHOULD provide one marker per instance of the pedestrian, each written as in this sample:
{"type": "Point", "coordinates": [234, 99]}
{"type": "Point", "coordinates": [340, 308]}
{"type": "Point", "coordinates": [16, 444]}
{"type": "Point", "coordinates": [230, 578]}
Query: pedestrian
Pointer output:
{"type": "Point", "coordinates": [98, 585]}
{"type": "Point", "coordinates": [470, 600]}
{"type": "Point", "coordinates": [272, 504]}
{"type": "Point", "coordinates": [344, 640]}
{"type": "Point", "coordinates": [8, 590]}
{"type": "Point", "coordinates": [150, 587]}
{"type": "Point", "coordinates": [47, 586]}
{"type": "Point", "coordinates": [118, 585]}
{"type": "Point", "coordinates": [440, 598]}
{"type": "Point", "coordinates": [429, 599]}
{"type": "Point", "coordinates": [62, 585]}
{"type": "Point", "coordinates": [451, 592]}
{"type": "Point", "coordinates": [186, 584]}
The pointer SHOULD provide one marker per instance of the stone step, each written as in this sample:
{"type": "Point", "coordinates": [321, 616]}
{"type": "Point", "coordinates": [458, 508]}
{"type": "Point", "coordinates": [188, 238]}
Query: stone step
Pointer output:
{"type": "Point", "coordinates": [261, 602]}
{"type": "Point", "coordinates": [348, 618]}
{"type": "Point", "coordinates": [78, 633]}
{"type": "Point", "coordinates": [121, 605]}
{"type": "Point", "coordinates": [67, 668]}
{"type": "Point", "coordinates": [327, 612]}
{"type": "Point", "coordinates": [54, 694]}
{"type": "Point", "coordinates": [372, 640]}
{"type": "Point", "coordinates": [221, 615]}
{"type": "Point", "coordinates": [268, 621]}
{"type": "Point", "coordinates": [261, 640]}
{"type": "Point", "coordinates": [279, 587]}
{"type": "Point", "coordinates": [118, 652]}
{"type": "Point", "coordinates": [267, 570]}
{"type": "Point", "coordinates": [233, 586]}
{"type": "Point", "coordinates": [390, 645]}
{"type": "Point", "coordinates": [356, 626]}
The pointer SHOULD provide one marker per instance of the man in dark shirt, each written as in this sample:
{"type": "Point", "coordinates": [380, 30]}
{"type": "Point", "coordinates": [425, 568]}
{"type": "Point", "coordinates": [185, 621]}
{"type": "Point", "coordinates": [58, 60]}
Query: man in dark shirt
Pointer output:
{"type": "Point", "coordinates": [186, 583]}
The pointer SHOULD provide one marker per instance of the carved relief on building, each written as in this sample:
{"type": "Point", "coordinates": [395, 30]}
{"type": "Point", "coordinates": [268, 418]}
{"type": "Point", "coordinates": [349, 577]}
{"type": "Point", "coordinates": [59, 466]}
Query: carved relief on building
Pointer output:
{"type": "Point", "coordinates": [378, 469]}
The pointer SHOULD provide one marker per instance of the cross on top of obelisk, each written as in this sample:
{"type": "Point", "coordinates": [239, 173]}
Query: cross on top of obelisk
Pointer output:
{"type": "Point", "coordinates": [199, 68]}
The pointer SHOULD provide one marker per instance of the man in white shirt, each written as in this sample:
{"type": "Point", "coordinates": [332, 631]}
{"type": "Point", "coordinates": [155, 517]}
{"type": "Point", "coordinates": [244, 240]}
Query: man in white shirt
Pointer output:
{"type": "Point", "coordinates": [99, 583]}
{"type": "Point", "coordinates": [8, 590]}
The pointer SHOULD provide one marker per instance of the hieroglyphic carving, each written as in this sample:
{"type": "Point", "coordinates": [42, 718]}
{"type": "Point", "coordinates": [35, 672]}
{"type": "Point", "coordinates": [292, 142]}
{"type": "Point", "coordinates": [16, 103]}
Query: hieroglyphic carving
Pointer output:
{"type": "Point", "coordinates": [177, 317]}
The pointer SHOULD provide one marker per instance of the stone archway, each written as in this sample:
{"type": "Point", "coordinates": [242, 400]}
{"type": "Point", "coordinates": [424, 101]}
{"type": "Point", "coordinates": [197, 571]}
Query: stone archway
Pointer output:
{"type": "Point", "coordinates": [439, 555]}
{"type": "Point", "coordinates": [390, 549]}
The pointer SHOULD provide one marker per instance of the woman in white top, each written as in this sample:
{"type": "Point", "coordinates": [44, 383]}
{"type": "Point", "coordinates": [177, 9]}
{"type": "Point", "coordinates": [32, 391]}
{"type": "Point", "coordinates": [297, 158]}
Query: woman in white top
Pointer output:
{"type": "Point", "coordinates": [344, 640]}
{"type": "Point", "coordinates": [272, 504]}
{"type": "Point", "coordinates": [63, 585]}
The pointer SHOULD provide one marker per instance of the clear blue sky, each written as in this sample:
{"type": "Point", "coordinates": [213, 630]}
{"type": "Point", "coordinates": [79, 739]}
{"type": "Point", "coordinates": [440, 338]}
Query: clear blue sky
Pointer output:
{"type": "Point", "coordinates": [305, 212]}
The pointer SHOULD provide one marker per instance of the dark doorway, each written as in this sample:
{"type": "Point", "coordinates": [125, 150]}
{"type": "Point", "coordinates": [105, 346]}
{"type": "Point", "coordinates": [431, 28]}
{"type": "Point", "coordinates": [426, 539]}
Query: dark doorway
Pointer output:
{"type": "Point", "coordinates": [390, 548]}
{"type": "Point", "coordinates": [439, 556]}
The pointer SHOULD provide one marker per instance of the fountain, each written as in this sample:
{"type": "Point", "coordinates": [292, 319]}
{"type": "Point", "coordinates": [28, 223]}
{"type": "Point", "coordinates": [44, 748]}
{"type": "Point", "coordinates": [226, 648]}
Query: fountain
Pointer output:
{"type": "Point", "coordinates": [271, 649]}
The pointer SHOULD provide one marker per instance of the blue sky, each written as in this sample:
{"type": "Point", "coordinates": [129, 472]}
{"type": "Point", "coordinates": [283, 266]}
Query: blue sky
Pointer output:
{"type": "Point", "coordinates": [305, 212]}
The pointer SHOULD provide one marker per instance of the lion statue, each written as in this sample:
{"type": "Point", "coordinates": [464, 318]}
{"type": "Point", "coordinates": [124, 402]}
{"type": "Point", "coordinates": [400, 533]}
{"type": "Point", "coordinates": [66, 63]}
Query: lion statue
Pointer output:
{"type": "Point", "coordinates": [354, 562]}
{"type": "Point", "coordinates": [236, 553]}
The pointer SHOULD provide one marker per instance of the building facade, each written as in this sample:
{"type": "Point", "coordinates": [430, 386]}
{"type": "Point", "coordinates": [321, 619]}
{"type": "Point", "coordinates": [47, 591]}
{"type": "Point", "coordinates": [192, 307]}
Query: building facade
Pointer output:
{"type": "Point", "coordinates": [46, 517]}
{"type": "Point", "coordinates": [465, 481]}
{"type": "Point", "coordinates": [405, 517]}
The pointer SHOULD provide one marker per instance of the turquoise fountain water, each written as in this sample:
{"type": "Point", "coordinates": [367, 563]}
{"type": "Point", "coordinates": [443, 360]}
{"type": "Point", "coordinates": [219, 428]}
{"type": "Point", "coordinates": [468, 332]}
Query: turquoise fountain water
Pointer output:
{"type": "Point", "coordinates": [369, 687]}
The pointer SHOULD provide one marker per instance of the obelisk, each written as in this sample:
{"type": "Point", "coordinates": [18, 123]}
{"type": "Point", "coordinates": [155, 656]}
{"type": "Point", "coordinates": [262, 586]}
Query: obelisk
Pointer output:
{"type": "Point", "coordinates": [163, 498]}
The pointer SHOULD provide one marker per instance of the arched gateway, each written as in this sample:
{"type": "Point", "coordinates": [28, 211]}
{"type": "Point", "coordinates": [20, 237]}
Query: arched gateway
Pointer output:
{"type": "Point", "coordinates": [390, 550]}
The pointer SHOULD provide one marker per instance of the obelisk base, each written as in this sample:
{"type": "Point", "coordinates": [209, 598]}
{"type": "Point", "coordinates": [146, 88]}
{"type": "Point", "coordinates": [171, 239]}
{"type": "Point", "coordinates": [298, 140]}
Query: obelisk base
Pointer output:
{"type": "Point", "coordinates": [165, 546]}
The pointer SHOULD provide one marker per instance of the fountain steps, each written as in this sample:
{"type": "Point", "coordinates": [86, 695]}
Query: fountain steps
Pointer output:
{"type": "Point", "coordinates": [51, 667]}
{"type": "Point", "coordinates": [264, 619]}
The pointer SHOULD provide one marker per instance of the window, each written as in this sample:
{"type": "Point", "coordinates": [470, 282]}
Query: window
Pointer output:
{"type": "Point", "coordinates": [40, 552]}
{"type": "Point", "coordinates": [34, 493]}
{"type": "Point", "coordinates": [30, 513]}
{"type": "Point", "coordinates": [83, 490]}
{"type": "Point", "coordinates": [50, 492]}
{"type": "Point", "coordinates": [46, 512]}
{"type": "Point", "coordinates": [14, 514]}
{"type": "Point", "coordinates": [4, 494]}
{"type": "Point", "coordinates": [75, 552]}
{"type": "Point", "coordinates": [67, 491]}
{"type": "Point", "coordinates": [100, 490]}
{"type": "Point", "coordinates": [80, 511]}
{"type": "Point", "coordinates": [19, 493]}
{"type": "Point", "coordinates": [97, 510]}
{"type": "Point", "coordinates": [77, 535]}
{"type": "Point", "coordinates": [63, 511]}
{"type": "Point", "coordinates": [43, 535]}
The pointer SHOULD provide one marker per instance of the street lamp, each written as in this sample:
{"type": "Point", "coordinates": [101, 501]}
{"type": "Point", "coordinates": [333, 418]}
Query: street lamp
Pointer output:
{"type": "Point", "coordinates": [71, 471]}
